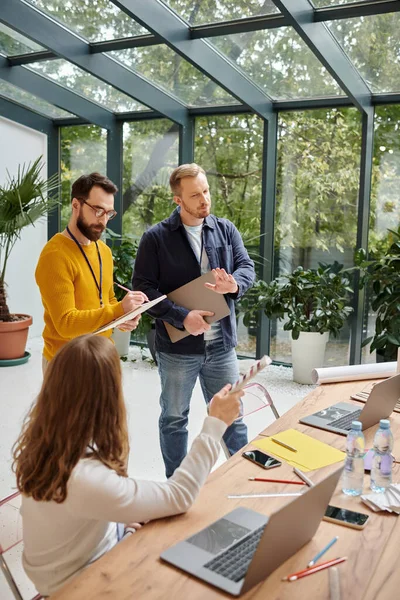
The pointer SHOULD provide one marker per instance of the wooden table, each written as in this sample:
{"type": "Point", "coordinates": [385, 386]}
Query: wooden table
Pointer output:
{"type": "Point", "coordinates": [133, 570]}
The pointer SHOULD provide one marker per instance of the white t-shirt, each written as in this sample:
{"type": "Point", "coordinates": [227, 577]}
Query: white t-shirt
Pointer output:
{"type": "Point", "coordinates": [62, 539]}
{"type": "Point", "coordinates": [195, 238]}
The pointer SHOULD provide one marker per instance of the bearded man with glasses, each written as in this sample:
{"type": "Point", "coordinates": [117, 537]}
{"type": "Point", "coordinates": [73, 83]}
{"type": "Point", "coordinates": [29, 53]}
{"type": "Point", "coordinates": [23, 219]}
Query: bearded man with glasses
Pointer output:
{"type": "Point", "coordinates": [75, 270]}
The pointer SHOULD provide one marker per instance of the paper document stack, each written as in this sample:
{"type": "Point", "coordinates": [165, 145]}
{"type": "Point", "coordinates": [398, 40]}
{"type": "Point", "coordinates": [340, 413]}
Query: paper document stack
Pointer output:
{"type": "Point", "coordinates": [388, 500]}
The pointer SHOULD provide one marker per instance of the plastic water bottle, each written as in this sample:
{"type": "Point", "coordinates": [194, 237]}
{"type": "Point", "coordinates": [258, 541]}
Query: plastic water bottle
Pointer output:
{"type": "Point", "coordinates": [353, 473]}
{"type": "Point", "coordinates": [381, 470]}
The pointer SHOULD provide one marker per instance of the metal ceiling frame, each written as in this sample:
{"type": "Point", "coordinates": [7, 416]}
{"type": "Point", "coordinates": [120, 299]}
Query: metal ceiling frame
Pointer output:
{"type": "Point", "coordinates": [167, 25]}
{"type": "Point", "coordinates": [327, 49]}
{"type": "Point", "coordinates": [35, 25]}
{"type": "Point", "coordinates": [55, 94]}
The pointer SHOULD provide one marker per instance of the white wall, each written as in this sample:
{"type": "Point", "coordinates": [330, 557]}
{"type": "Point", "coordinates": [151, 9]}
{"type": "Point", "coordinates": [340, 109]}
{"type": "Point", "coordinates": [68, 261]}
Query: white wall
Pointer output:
{"type": "Point", "coordinates": [18, 145]}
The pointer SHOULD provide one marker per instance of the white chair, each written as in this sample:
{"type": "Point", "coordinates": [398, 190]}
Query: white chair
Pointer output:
{"type": "Point", "coordinates": [256, 397]}
{"type": "Point", "coordinates": [11, 536]}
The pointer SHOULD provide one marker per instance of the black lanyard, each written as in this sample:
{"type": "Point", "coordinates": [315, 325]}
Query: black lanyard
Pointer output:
{"type": "Point", "coordinates": [98, 285]}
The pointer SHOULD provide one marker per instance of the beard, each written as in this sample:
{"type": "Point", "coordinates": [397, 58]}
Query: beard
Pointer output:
{"type": "Point", "coordinates": [199, 212]}
{"type": "Point", "coordinates": [91, 232]}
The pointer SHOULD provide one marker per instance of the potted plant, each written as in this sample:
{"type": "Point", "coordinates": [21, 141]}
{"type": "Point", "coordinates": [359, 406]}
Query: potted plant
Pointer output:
{"type": "Point", "coordinates": [124, 249]}
{"type": "Point", "coordinates": [24, 199]}
{"type": "Point", "coordinates": [313, 303]}
{"type": "Point", "coordinates": [383, 276]}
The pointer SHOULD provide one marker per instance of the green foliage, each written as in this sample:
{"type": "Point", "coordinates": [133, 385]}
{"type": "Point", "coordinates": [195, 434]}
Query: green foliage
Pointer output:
{"type": "Point", "coordinates": [124, 249]}
{"type": "Point", "coordinates": [383, 276]}
{"type": "Point", "coordinates": [307, 300]}
{"type": "Point", "coordinates": [24, 200]}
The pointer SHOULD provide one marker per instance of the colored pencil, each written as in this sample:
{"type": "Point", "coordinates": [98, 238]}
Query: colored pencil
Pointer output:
{"type": "Point", "coordinates": [122, 287]}
{"type": "Point", "coordinates": [284, 445]}
{"type": "Point", "coordinates": [303, 477]}
{"type": "Point", "coordinates": [315, 569]}
{"type": "Point", "coordinates": [321, 552]}
{"type": "Point", "coordinates": [284, 495]}
{"type": "Point", "coordinates": [276, 480]}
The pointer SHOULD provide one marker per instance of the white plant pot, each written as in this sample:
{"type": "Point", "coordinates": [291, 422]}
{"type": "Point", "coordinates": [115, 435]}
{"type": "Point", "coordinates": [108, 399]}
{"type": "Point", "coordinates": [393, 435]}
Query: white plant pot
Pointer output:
{"type": "Point", "coordinates": [121, 340]}
{"type": "Point", "coordinates": [308, 353]}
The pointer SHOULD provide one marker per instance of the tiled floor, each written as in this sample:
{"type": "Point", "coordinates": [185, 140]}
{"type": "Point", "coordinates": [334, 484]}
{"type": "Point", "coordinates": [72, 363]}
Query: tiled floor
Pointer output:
{"type": "Point", "coordinates": [20, 385]}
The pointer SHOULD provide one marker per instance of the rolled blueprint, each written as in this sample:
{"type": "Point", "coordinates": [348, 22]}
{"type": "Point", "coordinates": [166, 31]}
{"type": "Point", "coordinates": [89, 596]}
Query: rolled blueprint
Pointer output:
{"type": "Point", "coordinates": [354, 372]}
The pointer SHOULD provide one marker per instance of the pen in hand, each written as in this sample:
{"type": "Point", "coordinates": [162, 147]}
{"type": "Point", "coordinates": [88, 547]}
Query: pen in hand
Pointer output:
{"type": "Point", "coordinates": [122, 287]}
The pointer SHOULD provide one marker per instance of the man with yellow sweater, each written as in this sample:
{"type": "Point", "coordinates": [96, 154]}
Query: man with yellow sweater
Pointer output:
{"type": "Point", "coordinates": [75, 270]}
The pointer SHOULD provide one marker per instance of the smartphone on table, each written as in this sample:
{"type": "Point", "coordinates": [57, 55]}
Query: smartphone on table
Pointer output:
{"type": "Point", "coordinates": [348, 518]}
{"type": "Point", "coordinates": [260, 458]}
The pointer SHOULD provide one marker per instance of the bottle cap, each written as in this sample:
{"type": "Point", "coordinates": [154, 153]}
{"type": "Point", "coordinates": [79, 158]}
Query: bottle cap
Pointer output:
{"type": "Point", "coordinates": [357, 425]}
{"type": "Point", "coordinates": [384, 424]}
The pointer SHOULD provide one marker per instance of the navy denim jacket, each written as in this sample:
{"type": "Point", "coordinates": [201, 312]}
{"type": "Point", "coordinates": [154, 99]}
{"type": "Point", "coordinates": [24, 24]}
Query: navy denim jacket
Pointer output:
{"type": "Point", "coordinates": [165, 261]}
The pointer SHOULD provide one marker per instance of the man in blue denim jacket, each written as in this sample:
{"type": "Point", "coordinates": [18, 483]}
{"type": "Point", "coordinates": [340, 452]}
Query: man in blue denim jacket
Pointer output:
{"type": "Point", "coordinates": [179, 249]}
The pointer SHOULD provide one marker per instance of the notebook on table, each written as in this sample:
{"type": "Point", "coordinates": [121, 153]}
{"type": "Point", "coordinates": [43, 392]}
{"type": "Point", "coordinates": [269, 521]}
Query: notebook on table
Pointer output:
{"type": "Point", "coordinates": [380, 404]}
{"type": "Point", "coordinates": [195, 296]}
{"type": "Point", "coordinates": [244, 547]}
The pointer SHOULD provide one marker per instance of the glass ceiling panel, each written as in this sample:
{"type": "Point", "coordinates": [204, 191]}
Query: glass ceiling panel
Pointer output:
{"type": "Point", "coordinates": [279, 62]}
{"type": "Point", "coordinates": [87, 85]}
{"type": "Point", "coordinates": [321, 3]}
{"type": "Point", "coordinates": [13, 43]}
{"type": "Point", "coordinates": [373, 45]}
{"type": "Point", "coordinates": [211, 11]}
{"type": "Point", "coordinates": [94, 20]}
{"type": "Point", "coordinates": [162, 66]}
{"type": "Point", "coordinates": [28, 100]}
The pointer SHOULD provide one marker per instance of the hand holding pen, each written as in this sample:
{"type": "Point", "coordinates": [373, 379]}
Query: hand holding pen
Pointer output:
{"type": "Point", "coordinates": [132, 300]}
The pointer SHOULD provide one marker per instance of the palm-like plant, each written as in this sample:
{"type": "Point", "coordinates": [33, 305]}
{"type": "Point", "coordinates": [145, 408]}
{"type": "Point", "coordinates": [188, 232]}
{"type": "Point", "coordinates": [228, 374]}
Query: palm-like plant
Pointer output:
{"type": "Point", "coordinates": [24, 199]}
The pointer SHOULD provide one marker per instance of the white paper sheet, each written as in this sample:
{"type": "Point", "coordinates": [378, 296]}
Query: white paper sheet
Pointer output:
{"type": "Point", "coordinates": [354, 372]}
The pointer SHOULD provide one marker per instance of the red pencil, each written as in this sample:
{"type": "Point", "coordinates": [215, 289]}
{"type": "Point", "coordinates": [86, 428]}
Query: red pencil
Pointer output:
{"type": "Point", "coordinates": [315, 569]}
{"type": "Point", "coordinates": [276, 480]}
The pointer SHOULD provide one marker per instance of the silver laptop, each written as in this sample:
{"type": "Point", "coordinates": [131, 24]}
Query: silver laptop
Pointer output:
{"type": "Point", "coordinates": [380, 405]}
{"type": "Point", "coordinates": [244, 547]}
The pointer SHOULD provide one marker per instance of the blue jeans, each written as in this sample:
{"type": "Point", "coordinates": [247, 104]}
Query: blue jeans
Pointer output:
{"type": "Point", "coordinates": [178, 374]}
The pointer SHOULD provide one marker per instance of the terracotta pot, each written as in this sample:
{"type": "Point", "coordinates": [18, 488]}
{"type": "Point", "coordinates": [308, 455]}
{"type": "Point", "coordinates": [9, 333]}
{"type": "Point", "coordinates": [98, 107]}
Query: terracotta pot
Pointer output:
{"type": "Point", "coordinates": [13, 337]}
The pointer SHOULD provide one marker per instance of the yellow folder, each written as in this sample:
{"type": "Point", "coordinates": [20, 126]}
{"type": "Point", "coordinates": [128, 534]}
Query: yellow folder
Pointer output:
{"type": "Point", "coordinates": [311, 453]}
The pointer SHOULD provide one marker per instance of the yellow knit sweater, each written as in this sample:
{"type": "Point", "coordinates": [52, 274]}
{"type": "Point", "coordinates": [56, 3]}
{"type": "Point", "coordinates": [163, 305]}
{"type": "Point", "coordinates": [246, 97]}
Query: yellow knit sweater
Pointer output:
{"type": "Point", "coordinates": [69, 294]}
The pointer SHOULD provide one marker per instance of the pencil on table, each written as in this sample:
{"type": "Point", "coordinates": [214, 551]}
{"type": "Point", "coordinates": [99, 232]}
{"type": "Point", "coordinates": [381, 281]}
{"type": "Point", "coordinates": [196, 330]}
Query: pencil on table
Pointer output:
{"type": "Point", "coordinates": [276, 480]}
{"type": "Point", "coordinates": [284, 445]}
{"type": "Point", "coordinates": [314, 569]}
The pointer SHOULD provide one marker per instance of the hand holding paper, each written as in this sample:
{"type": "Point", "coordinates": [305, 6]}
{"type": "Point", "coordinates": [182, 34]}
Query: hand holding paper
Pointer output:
{"type": "Point", "coordinates": [130, 315]}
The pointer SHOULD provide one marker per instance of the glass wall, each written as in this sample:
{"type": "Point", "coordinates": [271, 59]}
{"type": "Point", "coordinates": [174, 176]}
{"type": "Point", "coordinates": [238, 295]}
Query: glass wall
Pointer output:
{"type": "Point", "coordinates": [229, 148]}
{"type": "Point", "coordinates": [83, 150]}
{"type": "Point", "coordinates": [318, 170]}
{"type": "Point", "coordinates": [385, 204]}
{"type": "Point", "coordinates": [150, 154]}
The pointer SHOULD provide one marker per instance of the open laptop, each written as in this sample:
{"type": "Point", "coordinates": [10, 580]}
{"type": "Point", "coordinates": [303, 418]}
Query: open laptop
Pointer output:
{"type": "Point", "coordinates": [244, 547]}
{"type": "Point", "coordinates": [338, 418]}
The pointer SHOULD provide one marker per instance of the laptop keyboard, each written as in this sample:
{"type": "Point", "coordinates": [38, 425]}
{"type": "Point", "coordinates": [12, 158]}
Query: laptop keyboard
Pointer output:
{"type": "Point", "coordinates": [346, 421]}
{"type": "Point", "coordinates": [234, 562]}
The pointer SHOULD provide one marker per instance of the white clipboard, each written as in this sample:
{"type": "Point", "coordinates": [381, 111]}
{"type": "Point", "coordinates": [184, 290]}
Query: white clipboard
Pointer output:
{"type": "Point", "coordinates": [130, 315]}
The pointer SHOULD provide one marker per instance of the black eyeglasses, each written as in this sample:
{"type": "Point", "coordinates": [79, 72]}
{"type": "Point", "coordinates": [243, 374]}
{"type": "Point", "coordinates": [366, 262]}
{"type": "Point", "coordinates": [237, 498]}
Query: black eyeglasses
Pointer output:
{"type": "Point", "coordinates": [100, 212]}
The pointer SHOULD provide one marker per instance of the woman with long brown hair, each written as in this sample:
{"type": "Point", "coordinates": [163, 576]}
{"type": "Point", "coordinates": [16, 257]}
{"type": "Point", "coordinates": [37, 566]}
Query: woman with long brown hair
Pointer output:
{"type": "Point", "coordinates": [71, 464]}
